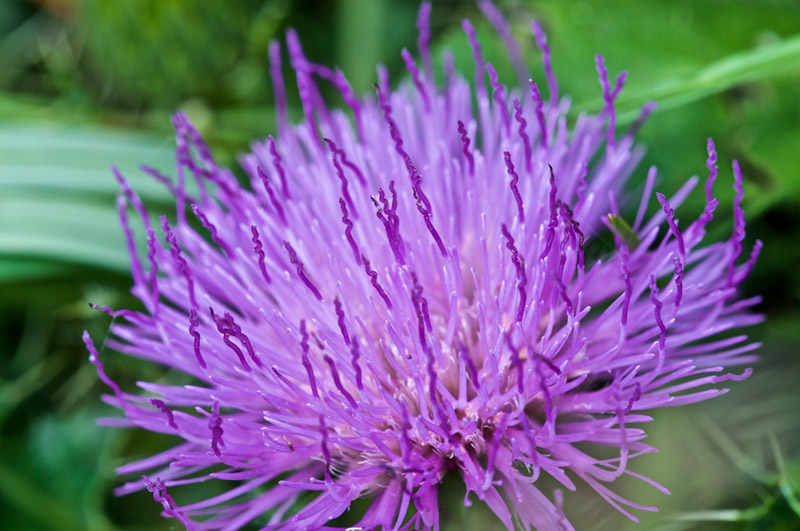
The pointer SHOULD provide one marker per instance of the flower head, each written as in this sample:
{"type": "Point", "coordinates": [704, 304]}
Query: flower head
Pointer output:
{"type": "Point", "coordinates": [408, 289]}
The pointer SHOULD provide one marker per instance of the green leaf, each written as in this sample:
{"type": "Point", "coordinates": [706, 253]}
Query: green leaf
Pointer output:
{"type": "Point", "coordinates": [624, 231]}
{"type": "Point", "coordinates": [62, 231]}
{"type": "Point", "coordinates": [745, 67]}
{"type": "Point", "coordinates": [57, 195]}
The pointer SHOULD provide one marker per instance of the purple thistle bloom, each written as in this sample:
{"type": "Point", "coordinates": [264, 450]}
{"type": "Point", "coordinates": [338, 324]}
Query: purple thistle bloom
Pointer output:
{"type": "Point", "coordinates": [402, 293]}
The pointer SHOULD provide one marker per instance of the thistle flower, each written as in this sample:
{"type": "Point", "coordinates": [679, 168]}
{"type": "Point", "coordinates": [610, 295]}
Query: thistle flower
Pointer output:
{"type": "Point", "coordinates": [406, 290]}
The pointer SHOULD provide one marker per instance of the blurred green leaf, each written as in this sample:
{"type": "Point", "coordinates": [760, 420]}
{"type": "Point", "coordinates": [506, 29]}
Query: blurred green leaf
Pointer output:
{"type": "Point", "coordinates": [49, 175]}
{"type": "Point", "coordinates": [63, 231]}
{"type": "Point", "coordinates": [745, 67]}
{"type": "Point", "coordinates": [624, 231]}
{"type": "Point", "coordinates": [65, 147]}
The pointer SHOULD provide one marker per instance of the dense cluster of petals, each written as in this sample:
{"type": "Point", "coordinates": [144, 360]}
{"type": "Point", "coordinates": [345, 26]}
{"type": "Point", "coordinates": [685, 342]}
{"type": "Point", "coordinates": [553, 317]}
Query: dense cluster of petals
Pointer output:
{"type": "Point", "coordinates": [437, 280]}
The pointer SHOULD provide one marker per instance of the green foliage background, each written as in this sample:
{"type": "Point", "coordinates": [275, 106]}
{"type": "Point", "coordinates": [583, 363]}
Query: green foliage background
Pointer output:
{"type": "Point", "coordinates": [89, 83]}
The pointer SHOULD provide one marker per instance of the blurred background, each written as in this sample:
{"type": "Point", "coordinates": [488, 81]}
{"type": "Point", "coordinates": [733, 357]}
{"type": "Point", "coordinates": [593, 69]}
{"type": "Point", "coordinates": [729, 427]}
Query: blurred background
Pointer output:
{"type": "Point", "coordinates": [89, 83]}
